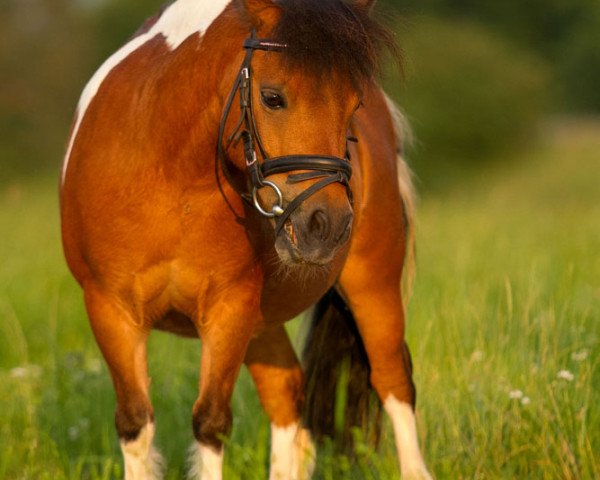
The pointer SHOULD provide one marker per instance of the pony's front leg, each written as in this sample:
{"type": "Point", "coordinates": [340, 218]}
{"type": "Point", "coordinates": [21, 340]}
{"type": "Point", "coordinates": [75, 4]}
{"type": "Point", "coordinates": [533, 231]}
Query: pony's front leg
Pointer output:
{"type": "Point", "coordinates": [379, 314]}
{"type": "Point", "coordinates": [122, 340]}
{"type": "Point", "coordinates": [225, 333]}
{"type": "Point", "coordinates": [278, 377]}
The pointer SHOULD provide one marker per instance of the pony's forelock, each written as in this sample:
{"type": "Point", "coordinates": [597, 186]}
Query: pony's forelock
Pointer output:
{"type": "Point", "coordinates": [326, 35]}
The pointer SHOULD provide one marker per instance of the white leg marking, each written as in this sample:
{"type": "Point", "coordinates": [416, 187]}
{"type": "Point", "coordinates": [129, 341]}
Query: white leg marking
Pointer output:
{"type": "Point", "coordinates": [412, 465]}
{"type": "Point", "coordinates": [206, 463]}
{"type": "Point", "coordinates": [142, 461]}
{"type": "Point", "coordinates": [292, 453]}
{"type": "Point", "coordinates": [180, 20]}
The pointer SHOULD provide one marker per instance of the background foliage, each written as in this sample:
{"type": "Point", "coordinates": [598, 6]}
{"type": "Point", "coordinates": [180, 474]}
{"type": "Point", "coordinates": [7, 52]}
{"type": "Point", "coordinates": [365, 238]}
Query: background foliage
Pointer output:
{"type": "Point", "coordinates": [480, 74]}
{"type": "Point", "coordinates": [470, 95]}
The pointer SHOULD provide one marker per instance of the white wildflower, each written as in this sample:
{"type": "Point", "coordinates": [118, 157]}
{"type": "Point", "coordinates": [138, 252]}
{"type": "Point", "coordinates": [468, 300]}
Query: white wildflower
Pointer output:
{"type": "Point", "coordinates": [73, 432]}
{"type": "Point", "coordinates": [565, 375]}
{"type": "Point", "coordinates": [26, 371]}
{"type": "Point", "coordinates": [580, 356]}
{"type": "Point", "coordinates": [94, 365]}
{"type": "Point", "coordinates": [515, 394]}
{"type": "Point", "coordinates": [18, 372]}
{"type": "Point", "coordinates": [477, 356]}
{"type": "Point", "coordinates": [525, 401]}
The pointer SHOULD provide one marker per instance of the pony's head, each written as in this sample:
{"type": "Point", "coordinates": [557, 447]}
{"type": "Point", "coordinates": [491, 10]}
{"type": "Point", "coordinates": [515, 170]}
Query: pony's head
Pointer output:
{"type": "Point", "coordinates": [306, 65]}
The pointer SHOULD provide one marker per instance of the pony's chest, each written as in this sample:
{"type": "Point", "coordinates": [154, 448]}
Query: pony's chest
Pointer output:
{"type": "Point", "coordinates": [286, 298]}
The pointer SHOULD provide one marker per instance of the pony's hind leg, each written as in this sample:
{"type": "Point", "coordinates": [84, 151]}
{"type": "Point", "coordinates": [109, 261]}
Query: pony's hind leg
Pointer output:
{"type": "Point", "coordinates": [123, 344]}
{"type": "Point", "coordinates": [378, 312]}
{"type": "Point", "coordinates": [277, 374]}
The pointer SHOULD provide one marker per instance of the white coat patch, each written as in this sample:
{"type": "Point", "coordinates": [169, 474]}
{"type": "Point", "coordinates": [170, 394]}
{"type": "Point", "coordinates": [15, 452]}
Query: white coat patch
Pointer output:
{"type": "Point", "coordinates": [412, 465]}
{"type": "Point", "coordinates": [292, 453]}
{"type": "Point", "coordinates": [142, 461]}
{"type": "Point", "coordinates": [206, 463]}
{"type": "Point", "coordinates": [180, 20]}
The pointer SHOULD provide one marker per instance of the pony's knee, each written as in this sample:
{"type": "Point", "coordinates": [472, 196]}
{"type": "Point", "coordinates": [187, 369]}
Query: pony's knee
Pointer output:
{"type": "Point", "coordinates": [211, 421]}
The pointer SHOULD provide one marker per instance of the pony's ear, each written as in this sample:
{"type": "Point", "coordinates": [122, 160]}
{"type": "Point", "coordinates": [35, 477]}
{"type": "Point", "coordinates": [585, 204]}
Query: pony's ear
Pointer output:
{"type": "Point", "coordinates": [366, 4]}
{"type": "Point", "coordinates": [258, 12]}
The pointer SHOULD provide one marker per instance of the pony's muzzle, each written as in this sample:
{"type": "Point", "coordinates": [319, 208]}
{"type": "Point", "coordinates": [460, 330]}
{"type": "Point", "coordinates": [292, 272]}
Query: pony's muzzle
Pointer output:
{"type": "Point", "coordinates": [320, 233]}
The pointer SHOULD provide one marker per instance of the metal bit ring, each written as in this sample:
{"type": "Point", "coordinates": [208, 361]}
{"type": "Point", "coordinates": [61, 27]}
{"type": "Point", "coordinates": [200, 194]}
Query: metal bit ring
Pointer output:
{"type": "Point", "coordinates": [277, 208]}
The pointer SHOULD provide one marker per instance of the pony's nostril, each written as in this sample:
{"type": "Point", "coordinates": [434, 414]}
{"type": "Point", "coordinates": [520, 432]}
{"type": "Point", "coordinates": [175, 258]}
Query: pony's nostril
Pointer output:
{"type": "Point", "coordinates": [319, 226]}
{"type": "Point", "coordinates": [345, 230]}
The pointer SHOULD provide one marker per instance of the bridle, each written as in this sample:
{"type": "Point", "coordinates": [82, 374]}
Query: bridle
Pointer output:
{"type": "Point", "coordinates": [326, 168]}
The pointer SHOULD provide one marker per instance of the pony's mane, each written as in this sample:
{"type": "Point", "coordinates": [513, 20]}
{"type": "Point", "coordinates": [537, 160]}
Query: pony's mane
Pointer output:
{"type": "Point", "coordinates": [323, 35]}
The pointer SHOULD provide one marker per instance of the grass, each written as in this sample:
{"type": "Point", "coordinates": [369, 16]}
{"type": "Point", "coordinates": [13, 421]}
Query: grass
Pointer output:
{"type": "Point", "coordinates": [504, 325]}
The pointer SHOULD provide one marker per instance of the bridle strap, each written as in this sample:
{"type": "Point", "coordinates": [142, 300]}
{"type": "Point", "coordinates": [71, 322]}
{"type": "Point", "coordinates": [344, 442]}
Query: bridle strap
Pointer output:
{"type": "Point", "coordinates": [329, 169]}
{"type": "Point", "coordinates": [314, 188]}
{"type": "Point", "coordinates": [306, 162]}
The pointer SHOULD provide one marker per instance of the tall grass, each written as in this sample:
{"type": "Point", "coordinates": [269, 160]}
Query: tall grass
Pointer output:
{"type": "Point", "coordinates": [504, 325]}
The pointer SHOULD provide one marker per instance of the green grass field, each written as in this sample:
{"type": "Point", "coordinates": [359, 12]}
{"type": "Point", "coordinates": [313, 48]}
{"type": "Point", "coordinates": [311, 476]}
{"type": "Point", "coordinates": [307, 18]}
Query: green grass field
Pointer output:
{"type": "Point", "coordinates": [504, 327]}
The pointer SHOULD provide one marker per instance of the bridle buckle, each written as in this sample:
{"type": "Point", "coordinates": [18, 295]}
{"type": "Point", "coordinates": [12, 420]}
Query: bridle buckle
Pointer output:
{"type": "Point", "coordinates": [252, 159]}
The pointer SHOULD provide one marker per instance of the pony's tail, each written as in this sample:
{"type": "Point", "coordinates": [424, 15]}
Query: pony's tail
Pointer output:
{"type": "Point", "coordinates": [338, 392]}
{"type": "Point", "coordinates": [404, 138]}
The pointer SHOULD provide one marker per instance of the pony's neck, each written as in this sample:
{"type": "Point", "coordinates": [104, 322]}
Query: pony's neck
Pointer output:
{"type": "Point", "coordinates": [192, 87]}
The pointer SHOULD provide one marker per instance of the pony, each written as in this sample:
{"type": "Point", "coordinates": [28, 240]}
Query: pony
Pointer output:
{"type": "Point", "coordinates": [231, 166]}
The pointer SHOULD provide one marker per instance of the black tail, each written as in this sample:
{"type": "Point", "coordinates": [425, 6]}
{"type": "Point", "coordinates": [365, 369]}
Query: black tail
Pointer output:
{"type": "Point", "coordinates": [339, 395]}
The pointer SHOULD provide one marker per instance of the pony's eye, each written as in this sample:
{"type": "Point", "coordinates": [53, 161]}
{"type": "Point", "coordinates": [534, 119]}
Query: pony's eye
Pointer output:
{"type": "Point", "coordinates": [272, 99]}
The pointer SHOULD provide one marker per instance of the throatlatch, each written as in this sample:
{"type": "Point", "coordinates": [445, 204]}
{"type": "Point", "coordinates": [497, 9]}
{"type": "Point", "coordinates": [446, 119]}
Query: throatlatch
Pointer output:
{"type": "Point", "coordinates": [326, 168]}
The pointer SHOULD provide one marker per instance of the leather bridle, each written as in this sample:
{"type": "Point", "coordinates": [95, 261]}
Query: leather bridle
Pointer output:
{"type": "Point", "coordinates": [327, 169]}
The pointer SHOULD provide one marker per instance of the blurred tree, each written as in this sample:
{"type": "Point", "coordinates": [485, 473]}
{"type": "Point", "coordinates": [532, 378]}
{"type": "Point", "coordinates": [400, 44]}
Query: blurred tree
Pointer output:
{"type": "Point", "coordinates": [117, 20]}
{"type": "Point", "coordinates": [540, 24]}
{"type": "Point", "coordinates": [48, 51]}
{"type": "Point", "coordinates": [49, 48]}
{"type": "Point", "coordinates": [470, 95]}
{"type": "Point", "coordinates": [578, 63]}
{"type": "Point", "coordinates": [41, 42]}
{"type": "Point", "coordinates": [563, 32]}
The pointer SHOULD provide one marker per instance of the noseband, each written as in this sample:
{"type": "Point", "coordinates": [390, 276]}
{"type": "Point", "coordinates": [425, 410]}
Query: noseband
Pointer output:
{"type": "Point", "coordinates": [326, 168]}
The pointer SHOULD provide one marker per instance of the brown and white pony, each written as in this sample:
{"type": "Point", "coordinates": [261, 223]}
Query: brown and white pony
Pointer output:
{"type": "Point", "coordinates": [231, 166]}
